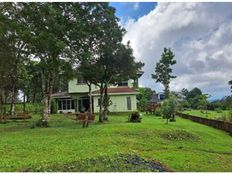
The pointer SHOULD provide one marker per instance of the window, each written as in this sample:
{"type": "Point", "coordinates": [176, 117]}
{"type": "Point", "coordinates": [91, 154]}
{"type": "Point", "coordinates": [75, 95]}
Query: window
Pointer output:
{"type": "Point", "coordinates": [80, 80]}
{"type": "Point", "coordinates": [123, 83]}
{"type": "Point", "coordinates": [65, 104]}
{"type": "Point", "coordinates": [98, 102]}
{"type": "Point", "coordinates": [128, 103]}
{"type": "Point", "coordinates": [161, 96]}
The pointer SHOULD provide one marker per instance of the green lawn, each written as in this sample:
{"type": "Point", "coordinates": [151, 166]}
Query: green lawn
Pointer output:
{"type": "Point", "coordinates": [180, 146]}
{"type": "Point", "coordinates": [210, 114]}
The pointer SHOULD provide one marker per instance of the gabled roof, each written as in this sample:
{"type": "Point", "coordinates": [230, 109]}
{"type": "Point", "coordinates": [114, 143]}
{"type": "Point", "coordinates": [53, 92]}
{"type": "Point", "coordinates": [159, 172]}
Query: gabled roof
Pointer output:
{"type": "Point", "coordinates": [118, 90]}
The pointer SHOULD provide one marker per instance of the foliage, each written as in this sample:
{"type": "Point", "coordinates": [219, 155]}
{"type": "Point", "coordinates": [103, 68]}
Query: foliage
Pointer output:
{"type": "Point", "coordinates": [135, 117]}
{"type": "Point", "coordinates": [218, 110]}
{"type": "Point", "coordinates": [163, 70]}
{"type": "Point", "coordinates": [179, 135]}
{"type": "Point", "coordinates": [202, 101]}
{"type": "Point", "coordinates": [144, 97]}
{"type": "Point", "coordinates": [65, 143]}
{"type": "Point", "coordinates": [53, 106]}
{"type": "Point", "coordinates": [223, 115]}
{"type": "Point", "coordinates": [169, 107]}
{"type": "Point", "coordinates": [158, 111]}
{"type": "Point", "coordinates": [230, 83]}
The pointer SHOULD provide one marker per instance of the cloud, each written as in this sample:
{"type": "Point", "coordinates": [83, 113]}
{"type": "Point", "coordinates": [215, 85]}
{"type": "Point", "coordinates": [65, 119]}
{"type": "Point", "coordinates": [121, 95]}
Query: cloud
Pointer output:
{"type": "Point", "coordinates": [200, 35]}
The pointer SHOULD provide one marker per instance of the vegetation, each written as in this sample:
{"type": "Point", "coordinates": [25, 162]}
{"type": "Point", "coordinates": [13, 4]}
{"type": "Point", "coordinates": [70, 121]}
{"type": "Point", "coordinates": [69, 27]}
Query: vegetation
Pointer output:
{"type": "Point", "coordinates": [163, 70]}
{"type": "Point", "coordinates": [45, 42]}
{"type": "Point", "coordinates": [224, 115]}
{"type": "Point", "coordinates": [183, 146]}
{"type": "Point", "coordinates": [169, 107]}
{"type": "Point", "coordinates": [144, 97]}
{"type": "Point", "coordinates": [230, 83]}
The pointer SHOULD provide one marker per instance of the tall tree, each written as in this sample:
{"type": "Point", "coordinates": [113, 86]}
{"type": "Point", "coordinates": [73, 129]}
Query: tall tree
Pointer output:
{"type": "Point", "coordinates": [54, 27]}
{"type": "Point", "coordinates": [163, 70]}
{"type": "Point", "coordinates": [105, 56]}
{"type": "Point", "coordinates": [14, 35]}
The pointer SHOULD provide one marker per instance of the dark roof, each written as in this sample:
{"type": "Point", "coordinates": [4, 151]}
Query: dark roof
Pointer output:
{"type": "Point", "coordinates": [117, 90]}
{"type": "Point", "coordinates": [61, 95]}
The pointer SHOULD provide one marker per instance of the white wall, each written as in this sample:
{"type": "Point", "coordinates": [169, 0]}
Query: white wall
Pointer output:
{"type": "Point", "coordinates": [119, 103]}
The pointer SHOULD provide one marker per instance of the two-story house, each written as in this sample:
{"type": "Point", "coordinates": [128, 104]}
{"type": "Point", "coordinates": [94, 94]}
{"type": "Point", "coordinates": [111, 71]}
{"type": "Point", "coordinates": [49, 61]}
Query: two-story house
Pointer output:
{"type": "Point", "coordinates": [122, 96]}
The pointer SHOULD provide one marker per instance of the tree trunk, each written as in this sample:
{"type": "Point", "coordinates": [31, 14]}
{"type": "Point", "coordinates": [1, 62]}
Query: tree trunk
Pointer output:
{"type": "Point", "coordinates": [45, 115]}
{"type": "Point", "coordinates": [45, 98]}
{"type": "Point", "coordinates": [166, 91]}
{"type": "Point", "coordinates": [101, 102]}
{"type": "Point", "coordinates": [47, 86]}
{"type": "Point", "coordinates": [34, 94]}
{"type": "Point", "coordinates": [105, 102]}
{"type": "Point", "coordinates": [1, 100]}
{"type": "Point", "coordinates": [90, 99]}
{"type": "Point", "coordinates": [13, 98]}
{"type": "Point", "coordinates": [24, 102]}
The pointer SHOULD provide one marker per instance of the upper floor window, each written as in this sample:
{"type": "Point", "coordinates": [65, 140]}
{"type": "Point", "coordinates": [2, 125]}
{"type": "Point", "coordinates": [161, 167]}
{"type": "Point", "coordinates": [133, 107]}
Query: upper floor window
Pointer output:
{"type": "Point", "coordinates": [80, 80]}
{"type": "Point", "coordinates": [123, 83]}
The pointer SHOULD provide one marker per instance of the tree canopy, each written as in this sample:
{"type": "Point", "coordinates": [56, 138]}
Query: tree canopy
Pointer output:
{"type": "Point", "coordinates": [163, 70]}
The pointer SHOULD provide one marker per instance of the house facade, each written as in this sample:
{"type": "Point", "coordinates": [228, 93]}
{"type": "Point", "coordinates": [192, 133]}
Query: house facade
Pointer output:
{"type": "Point", "coordinates": [157, 97]}
{"type": "Point", "coordinates": [76, 99]}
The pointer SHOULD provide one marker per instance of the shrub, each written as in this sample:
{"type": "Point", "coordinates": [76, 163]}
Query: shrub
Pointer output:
{"type": "Point", "coordinates": [158, 111]}
{"type": "Point", "coordinates": [218, 110]}
{"type": "Point", "coordinates": [135, 117]}
{"type": "Point", "coordinates": [53, 106]}
{"type": "Point", "coordinates": [40, 123]}
{"type": "Point", "coordinates": [230, 116]}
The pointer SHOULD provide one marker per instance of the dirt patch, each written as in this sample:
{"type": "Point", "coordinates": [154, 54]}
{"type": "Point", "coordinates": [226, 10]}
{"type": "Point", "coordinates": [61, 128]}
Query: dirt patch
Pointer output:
{"type": "Point", "coordinates": [179, 135]}
{"type": "Point", "coordinates": [12, 129]}
{"type": "Point", "coordinates": [117, 163]}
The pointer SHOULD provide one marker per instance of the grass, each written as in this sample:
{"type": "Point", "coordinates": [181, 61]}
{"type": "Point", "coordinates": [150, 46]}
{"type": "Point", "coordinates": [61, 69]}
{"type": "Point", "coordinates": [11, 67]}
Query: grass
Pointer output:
{"type": "Point", "coordinates": [179, 146]}
{"type": "Point", "coordinates": [210, 114]}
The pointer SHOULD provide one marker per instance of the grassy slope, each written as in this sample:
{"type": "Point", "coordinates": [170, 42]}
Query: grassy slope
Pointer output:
{"type": "Point", "coordinates": [66, 141]}
{"type": "Point", "coordinates": [210, 114]}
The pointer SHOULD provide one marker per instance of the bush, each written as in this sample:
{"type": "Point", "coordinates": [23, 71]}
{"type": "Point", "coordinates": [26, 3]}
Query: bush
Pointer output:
{"type": "Point", "coordinates": [218, 110]}
{"type": "Point", "coordinates": [53, 106]}
{"type": "Point", "coordinates": [158, 111]}
{"type": "Point", "coordinates": [135, 117]}
{"type": "Point", "coordinates": [230, 116]}
{"type": "Point", "coordinates": [40, 123]}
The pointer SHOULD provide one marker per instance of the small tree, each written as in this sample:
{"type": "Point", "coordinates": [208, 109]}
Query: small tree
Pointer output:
{"type": "Point", "coordinates": [169, 108]}
{"type": "Point", "coordinates": [163, 70]}
{"type": "Point", "coordinates": [202, 102]}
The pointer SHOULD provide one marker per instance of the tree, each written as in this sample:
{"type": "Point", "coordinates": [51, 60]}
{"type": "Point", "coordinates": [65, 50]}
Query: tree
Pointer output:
{"type": "Point", "coordinates": [202, 101]}
{"type": "Point", "coordinates": [184, 92]}
{"type": "Point", "coordinates": [169, 107]}
{"type": "Point", "coordinates": [192, 97]}
{"type": "Point", "coordinates": [105, 56]}
{"type": "Point", "coordinates": [230, 83]}
{"type": "Point", "coordinates": [145, 95]}
{"type": "Point", "coordinates": [59, 36]}
{"type": "Point", "coordinates": [163, 70]}
{"type": "Point", "coordinates": [14, 35]}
